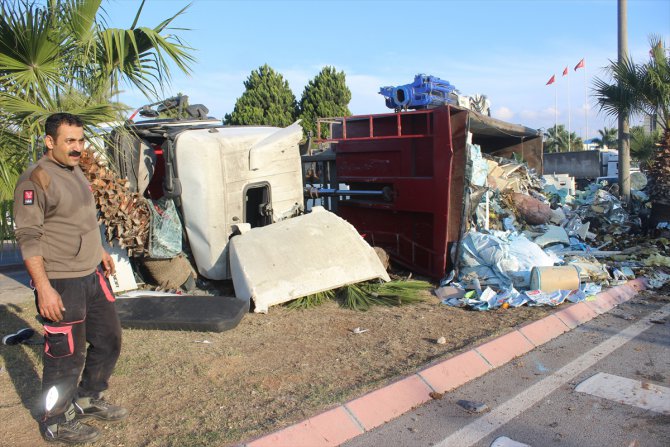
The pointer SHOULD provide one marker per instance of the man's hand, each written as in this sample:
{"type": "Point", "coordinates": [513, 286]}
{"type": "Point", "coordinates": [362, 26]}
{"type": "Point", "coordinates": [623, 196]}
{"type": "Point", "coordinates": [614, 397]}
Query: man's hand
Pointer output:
{"type": "Point", "coordinates": [50, 303]}
{"type": "Point", "coordinates": [108, 264]}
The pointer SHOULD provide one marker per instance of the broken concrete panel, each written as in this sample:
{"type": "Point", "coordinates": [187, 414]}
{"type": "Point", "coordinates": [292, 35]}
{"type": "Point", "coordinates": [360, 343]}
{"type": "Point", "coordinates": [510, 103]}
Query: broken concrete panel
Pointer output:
{"type": "Point", "coordinates": [583, 231]}
{"type": "Point", "coordinates": [298, 257]}
{"type": "Point", "coordinates": [554, 235]}
{"type": "Point", "coordinates": [557, 216]}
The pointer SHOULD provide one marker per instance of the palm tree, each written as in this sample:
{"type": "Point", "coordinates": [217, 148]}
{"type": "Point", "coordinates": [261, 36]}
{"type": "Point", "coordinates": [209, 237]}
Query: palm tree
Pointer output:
{"type": "Point", "coordinates": [557, 139]}
{"type": "Point", "coordinates": [608, 138]}
{"type": "Point", "coordinates": [60, 56]}
{"type": "Point", "coordinates": [643, 88]}
{"type": "Point", "coordinates": [643, 144]}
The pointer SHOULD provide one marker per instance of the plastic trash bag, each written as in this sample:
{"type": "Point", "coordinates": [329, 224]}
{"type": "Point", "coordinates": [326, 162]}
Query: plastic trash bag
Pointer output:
{"type": "Point", "coordinates": [501, 259]}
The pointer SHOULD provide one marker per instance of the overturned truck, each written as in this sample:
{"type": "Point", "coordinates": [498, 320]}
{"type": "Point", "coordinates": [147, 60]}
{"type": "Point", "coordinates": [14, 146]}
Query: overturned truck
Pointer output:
{"type": "Point", "coordinates": [414, 166]}
{"type": "Point", "coordinates": [238, 192]}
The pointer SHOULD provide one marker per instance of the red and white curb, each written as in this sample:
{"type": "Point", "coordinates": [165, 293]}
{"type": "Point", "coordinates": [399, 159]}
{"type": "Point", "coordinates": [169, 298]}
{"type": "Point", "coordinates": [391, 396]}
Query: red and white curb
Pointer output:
{"type": "Point", "coordinates": [338, 425]}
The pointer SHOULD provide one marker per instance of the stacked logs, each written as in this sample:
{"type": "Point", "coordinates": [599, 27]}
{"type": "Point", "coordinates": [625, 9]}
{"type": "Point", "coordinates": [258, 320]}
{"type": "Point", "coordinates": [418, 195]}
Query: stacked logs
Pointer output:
{"type": "Point", "coordinates": [126, 215]}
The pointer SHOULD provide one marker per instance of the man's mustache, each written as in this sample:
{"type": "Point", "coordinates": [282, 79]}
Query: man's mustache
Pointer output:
{"type": "Point", "coordinates": [74, 154]}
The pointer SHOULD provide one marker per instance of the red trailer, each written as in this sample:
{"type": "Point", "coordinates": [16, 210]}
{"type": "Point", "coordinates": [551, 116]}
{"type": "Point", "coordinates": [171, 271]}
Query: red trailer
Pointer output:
{"type": "Point", "coordinates": [420, 158]}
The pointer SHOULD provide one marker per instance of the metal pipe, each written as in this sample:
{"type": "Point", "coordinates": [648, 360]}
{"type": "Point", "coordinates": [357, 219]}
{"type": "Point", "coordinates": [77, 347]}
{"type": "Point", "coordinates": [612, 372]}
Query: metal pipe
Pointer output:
{"type": "Point", "coordinates": [385, 193]}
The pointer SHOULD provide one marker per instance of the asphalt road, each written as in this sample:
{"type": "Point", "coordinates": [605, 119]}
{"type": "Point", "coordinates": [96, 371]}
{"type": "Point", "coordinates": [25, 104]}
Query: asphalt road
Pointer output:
{"type": "Point", "coordinates": [14, 285]}
{"type": "Point", "coordinates": [14, 280]}
{"type": "Point", "coordinates": [535, 400]}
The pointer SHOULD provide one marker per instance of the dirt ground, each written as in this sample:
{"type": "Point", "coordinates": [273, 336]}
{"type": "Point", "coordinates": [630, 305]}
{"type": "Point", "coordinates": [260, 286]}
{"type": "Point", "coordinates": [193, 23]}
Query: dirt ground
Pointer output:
{"type": "Point", "coordinates": [200, 389]}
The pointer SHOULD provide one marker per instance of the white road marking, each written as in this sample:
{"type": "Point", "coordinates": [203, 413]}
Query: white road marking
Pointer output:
{"type": "Point", "coordinates": [504, 441]}
{"type": "Point", "coordinates": [637, 393]}
{"type": "Point", "coordinates": [485, 425]}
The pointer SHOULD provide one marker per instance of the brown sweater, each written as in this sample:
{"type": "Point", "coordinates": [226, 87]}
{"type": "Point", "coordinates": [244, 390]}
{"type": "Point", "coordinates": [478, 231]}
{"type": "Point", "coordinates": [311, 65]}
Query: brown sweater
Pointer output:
{"type": "Point", "coordinates": [55, 217]}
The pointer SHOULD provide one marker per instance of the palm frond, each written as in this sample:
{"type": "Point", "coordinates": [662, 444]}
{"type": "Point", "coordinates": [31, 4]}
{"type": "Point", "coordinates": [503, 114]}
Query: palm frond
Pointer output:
{"type": "Point", "coordinates": [355, 297]}
{"type": "Point", "coordinates": [30, 49]}
{"type": "Point", "coordinates": [310, 301]}
{"type": "Point", "coordinates": [394, 293]}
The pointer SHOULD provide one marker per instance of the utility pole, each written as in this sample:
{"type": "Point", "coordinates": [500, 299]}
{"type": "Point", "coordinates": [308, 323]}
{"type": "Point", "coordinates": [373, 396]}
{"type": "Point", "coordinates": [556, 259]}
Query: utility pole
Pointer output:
{"type": "Point", "coordinates": [624, 135]}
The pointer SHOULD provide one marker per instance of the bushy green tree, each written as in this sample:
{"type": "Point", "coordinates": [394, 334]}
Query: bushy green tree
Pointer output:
{"type": "Point", "coordinates": [327, 95]}
{"type": "Point", "coordinates": [557, 139]}
{"type": "Point", "coordinates": [267, 101]}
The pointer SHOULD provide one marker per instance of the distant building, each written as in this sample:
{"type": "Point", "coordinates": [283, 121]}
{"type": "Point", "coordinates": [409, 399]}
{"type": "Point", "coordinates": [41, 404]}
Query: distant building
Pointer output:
{"type": "Point", "coordinates": [651, 122]}
{"type": "Point", "coordinates": [590, 145]}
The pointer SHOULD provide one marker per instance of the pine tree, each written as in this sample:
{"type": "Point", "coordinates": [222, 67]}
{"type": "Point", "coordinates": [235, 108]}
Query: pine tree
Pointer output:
{"type": "Point", "coordinates": [327, 95]}
{"type": "Point", "coordinates": [267, 101]}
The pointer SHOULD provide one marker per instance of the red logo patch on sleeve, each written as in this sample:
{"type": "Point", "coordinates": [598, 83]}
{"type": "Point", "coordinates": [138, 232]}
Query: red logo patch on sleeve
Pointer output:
{"type": "Point", "coordinates": [28, 197]}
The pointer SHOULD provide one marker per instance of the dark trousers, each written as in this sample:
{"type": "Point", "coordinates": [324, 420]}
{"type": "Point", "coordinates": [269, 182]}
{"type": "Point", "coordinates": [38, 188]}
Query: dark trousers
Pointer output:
{"type": "Point", "coordinates": [89, 317]}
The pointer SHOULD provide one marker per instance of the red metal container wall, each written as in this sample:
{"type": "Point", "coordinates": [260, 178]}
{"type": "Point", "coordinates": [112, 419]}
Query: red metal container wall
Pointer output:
{"type": "Point", "coordinates": [412, 153]}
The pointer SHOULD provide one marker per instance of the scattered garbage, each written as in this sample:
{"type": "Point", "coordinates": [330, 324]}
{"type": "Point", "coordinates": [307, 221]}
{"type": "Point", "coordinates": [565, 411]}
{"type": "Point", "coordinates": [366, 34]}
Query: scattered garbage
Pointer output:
{"type": "Point", "coordinates": [358, 330]}
{"type": "Point", "coordinates": [657, 279]}
{"type": "Point", "coordinates": [529, 240]}
{"type": "Point", "coordinates": [473, 407]}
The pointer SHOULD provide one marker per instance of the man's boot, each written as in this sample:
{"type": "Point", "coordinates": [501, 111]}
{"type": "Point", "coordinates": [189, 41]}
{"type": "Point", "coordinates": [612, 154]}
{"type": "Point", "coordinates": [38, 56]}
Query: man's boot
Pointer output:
{"type": "Point", "coordinates": [99, 408]}
{"type": "Point", "coordinates": [71, 430]}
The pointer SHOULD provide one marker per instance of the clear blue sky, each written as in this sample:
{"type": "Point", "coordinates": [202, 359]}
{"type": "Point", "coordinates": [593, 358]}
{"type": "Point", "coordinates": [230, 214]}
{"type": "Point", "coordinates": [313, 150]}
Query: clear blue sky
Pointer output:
{"type": "Point", "coordinates": [506, 50]}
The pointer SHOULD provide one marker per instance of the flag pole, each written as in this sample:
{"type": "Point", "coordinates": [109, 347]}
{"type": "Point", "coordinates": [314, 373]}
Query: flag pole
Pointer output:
{"type": "Point", "coordinates": [552, 80]}
{"type": "Point", "coordinates": [586, 108]}
{"type": "Point", "coordinates": [569, 111]}
{"type": "Point", "coordinates": [556, 117]}
{"type": "Point", "coordinates": [582, 64]}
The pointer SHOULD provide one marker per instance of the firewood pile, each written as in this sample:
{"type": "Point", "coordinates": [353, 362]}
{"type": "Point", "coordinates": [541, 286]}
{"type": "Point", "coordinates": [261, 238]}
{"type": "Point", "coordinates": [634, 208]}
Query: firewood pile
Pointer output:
{"type": "Point", "coordinates": [659, 173]}
{"type": "Point", "coordinates": [126, 215]}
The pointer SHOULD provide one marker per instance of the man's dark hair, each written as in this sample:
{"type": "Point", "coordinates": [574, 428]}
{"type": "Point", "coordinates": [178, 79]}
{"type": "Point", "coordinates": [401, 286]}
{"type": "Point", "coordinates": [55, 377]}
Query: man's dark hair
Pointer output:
{"type": "Point", "coordinates": [54, 122]}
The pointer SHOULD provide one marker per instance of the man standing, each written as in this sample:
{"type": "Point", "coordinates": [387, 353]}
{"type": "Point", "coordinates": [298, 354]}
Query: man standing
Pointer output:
{"type": "Point", "coordinates": [57, 231]}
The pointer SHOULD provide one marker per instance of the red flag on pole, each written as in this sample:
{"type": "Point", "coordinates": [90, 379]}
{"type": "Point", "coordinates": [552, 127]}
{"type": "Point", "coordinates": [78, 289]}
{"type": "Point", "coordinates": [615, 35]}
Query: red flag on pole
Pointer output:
{"type": "Point", "coordinates": [565, 71]}
{"type": "Point", "coordinates": [579, 65]}
{"type": "Point", "coordinates": [551, 80]}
